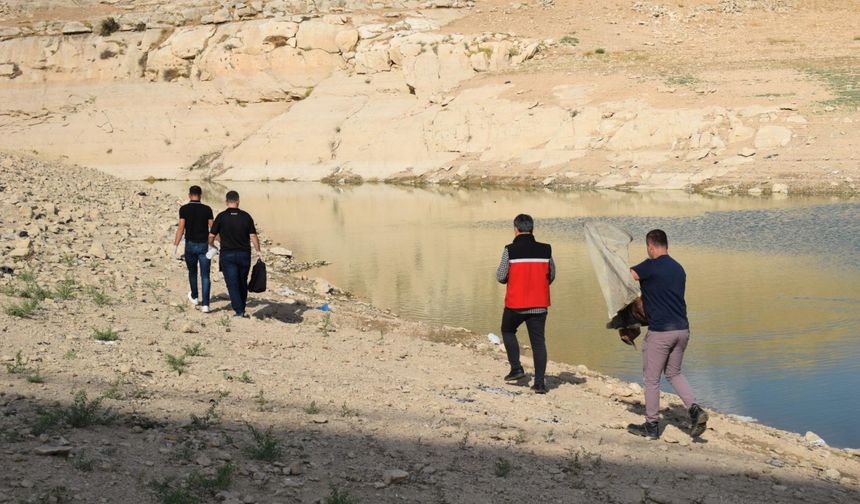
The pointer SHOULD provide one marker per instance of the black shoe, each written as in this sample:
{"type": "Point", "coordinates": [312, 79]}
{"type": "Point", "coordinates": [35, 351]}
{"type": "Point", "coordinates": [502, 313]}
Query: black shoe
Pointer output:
{"type": "Point", "coordinates": [650, 430]}
{"type": "Point", "coordinates": [698, 421]}
{"type": "Point", "coordinates": [516, 374]}
{"type": "Point", "coordinates": [539, 388]}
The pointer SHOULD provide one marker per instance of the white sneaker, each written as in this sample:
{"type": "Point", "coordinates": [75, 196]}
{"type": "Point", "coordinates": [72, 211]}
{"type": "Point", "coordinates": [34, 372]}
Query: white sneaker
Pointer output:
{"type": "Point", "coordinates": [205, 309]}
{"type": "Point", "coordinates": [193, 300]}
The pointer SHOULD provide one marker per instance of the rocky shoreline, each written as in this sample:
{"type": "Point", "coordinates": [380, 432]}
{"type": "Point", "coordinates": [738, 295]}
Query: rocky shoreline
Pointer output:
{"type": "Point", "coordinates": [116, 390]}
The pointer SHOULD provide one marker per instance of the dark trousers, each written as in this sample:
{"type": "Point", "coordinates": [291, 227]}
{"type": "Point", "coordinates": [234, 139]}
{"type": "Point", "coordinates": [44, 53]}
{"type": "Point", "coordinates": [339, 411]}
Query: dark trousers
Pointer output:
{"type": "Point", "coordinates": [195, 253]}
{"type": "Point", "coordinates": [536, 324]}
{"type": "Point", "coordinates": [235, 265]}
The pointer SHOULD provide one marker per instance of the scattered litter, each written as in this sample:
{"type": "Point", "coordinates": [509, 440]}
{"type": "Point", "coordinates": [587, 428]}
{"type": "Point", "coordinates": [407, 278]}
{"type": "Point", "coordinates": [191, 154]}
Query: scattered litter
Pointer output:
{"type": "Point", "coordinates": [325, 308]}
{"type": "Point", "coordinates": [494, 339]}
{"type": "Point", "coordinates": [286, 291]}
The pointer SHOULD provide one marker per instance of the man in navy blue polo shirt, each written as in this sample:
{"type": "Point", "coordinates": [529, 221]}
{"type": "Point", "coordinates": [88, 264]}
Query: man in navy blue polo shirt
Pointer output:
{"type": "Point", "coordinates": [663, 282]}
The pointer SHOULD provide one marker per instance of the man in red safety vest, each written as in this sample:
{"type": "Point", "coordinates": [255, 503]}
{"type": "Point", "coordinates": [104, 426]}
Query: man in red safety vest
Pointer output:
{"type": "Point", "coordinates": [527, 268]}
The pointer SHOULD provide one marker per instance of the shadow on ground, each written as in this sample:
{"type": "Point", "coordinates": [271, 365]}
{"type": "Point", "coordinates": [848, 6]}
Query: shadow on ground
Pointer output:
{"type": "Point", "coordinates": [315, 451]}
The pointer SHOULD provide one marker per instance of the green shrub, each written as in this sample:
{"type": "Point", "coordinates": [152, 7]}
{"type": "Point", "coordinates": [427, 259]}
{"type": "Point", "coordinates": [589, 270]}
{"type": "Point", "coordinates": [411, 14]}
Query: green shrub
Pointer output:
{"type": "Point", "coordinates": [108, 26]}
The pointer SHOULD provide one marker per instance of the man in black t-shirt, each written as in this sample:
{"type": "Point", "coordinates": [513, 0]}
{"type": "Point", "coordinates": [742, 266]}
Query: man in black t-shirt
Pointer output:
{"type": "Point", "coordinates": [195, 219]}
{"type": "Point", "coordinates": [663, 282]}
{"type": "Point", "coordinates": [236, 231]}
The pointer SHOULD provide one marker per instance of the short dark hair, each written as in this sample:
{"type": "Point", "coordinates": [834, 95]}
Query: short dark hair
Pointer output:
{"type": "Point", "coordinates": [524, 223]}
{"type": "Point", "coordinates": [195, 190]}
{"type": "Point", "coordinates": [658, 238]}
{"type": "Point", "coordinates": [232, 196]}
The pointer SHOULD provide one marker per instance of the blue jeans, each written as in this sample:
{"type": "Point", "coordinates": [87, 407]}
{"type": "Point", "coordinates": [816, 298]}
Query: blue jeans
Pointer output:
{"type": "Point", "coordinates": [235, 265]}
{"type": "Point", "coordinates": [195, 252]}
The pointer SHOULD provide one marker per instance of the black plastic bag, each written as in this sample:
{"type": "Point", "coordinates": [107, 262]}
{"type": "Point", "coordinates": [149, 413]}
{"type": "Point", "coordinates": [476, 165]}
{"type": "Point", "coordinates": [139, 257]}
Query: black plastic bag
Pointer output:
{"type": "Point", "coordinates": [258, 277]}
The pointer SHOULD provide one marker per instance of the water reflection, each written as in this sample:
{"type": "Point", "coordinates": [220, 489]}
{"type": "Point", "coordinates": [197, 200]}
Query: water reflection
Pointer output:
{"type": "Point", "coordinates": [773, 284]}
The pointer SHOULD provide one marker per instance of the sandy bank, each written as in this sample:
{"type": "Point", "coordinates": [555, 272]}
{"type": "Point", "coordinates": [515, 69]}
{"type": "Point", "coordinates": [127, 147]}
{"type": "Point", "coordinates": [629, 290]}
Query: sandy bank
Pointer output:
{"type": "Point", "coordinates": [386, 409]}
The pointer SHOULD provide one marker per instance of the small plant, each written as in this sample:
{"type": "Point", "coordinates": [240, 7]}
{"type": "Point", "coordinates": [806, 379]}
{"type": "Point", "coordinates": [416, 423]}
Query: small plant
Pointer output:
{"type": "Point", "coordinates": [211, 417]}
{"type": "Point", "coordinates": [266, 446]}
{"type": "Point", "coordinates": [27, 277]}
{"type": "Point", "coordinates": [581, 460]}
{"type": "Point", "coordinates": [107, 54]}
{"type": "Point", "coordinates": [326, 326]}
{"type": "Point", "coordinates": [569, 40]}
{"type": "Point", "coordinates": [195, 350]}
{"type": "Point", "coordinates": [98, 296]}
{"type": "Point", "coordinates": [167, 493]}
{"type": "Point", "coordinates": [177, 363]}
{"type": "Point", "coordinates": [36, 377]}
{"type": "Point", "coordinates": [600, 50]}
{"type": "Point", "coordinates": [312, 408]}
{"type": "Point", "coordinates": [262, 402]}
{"type": "Point", "coordinates": [19, 365]}
{"type": "Point", "coordinates": [82, 462]}
{"type": "Point", "coordinates": [25, 309]}
{"type": "Point", "coordinates": [105, 334]}
{"type": "Point", "coordinates": [81, 413]}
{"type": "Point", "coordinates": [225, 320]}
{"type": "Point", "coordinates": [209, 486]}
{"type": "Point", "coordinates": [71, 354]}
{"type": "Point", "coordinates": [139, 27]}
{"type": "Point", "coordinates": [337, 496]}
{"type": "Point", "coordinates": [182, 307]}
{"type": "Point", "coordinates": [549, 437]}
{"type": "Point", "coordinates": [463, 443]}
{"type": "Point", "coordinates": [502, 468]}
{"type": "Point", "coordinates": [245, 377]}
{"type": "Point", "coordinates": [56, 495]}
{"type": "Point", "coordinates": [35, 292]}
{"type": "Point", "coordinates": [65, 289]}
{"type": "Point", "coordinates": [682, 80]}
{"type": "Point", "coordinates": [69, 259]}
{"type": "Point", "coordinates": [520, 437]}
{"type": "Point", "coordinates": [348, 412]}
{"type": "Point", "coordinates": [108, 26]}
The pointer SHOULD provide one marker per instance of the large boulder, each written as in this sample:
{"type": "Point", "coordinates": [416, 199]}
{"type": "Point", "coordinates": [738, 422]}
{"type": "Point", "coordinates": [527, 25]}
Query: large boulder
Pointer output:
{"type": "Point", "coordinates": [318, 35]}
{"type": "Point", "coordinates": [769, 137]}
{"type": "Point", "coordinates": [346, 40]}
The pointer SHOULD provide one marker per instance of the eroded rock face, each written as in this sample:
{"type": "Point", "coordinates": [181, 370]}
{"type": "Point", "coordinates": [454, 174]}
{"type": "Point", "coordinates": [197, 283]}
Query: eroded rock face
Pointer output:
{"type": "Point", "coordinates": [303, 96]}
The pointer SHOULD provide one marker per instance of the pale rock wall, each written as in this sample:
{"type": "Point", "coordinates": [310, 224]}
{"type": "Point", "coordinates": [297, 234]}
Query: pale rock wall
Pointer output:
{"type": "Point", "coordinates": [256, 91]}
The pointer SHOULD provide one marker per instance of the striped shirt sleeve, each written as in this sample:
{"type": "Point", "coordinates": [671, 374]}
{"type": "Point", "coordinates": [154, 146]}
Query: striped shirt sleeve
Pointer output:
{"type": "Point", "coordinates": [504, 266]}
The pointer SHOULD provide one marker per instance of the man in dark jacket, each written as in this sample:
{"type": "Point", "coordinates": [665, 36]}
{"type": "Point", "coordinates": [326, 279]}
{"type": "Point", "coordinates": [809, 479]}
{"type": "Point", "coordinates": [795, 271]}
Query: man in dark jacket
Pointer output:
{"type": "Point", "coordinates": [236, 231]}
{"type": "Point", "coordinates": [528, 269]}
{"type": "Point", "coordinates": [195, 219]}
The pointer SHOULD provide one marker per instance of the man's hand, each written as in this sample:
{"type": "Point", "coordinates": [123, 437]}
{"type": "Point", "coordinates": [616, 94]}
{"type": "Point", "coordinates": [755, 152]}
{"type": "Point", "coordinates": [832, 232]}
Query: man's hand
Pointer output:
{"type": "Point", "coordinates": [175, 253]}
{"type": "Point", "coordinates": [260, 255]}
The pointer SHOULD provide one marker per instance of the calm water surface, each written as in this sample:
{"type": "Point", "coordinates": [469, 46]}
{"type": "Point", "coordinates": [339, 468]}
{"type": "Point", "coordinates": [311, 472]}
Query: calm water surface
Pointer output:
{"type": "Point", "coordinates": [773, 284]}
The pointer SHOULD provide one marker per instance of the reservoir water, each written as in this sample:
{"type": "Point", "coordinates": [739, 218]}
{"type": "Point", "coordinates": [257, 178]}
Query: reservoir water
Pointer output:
{"type": "Point", "coordinates": [773, 283]}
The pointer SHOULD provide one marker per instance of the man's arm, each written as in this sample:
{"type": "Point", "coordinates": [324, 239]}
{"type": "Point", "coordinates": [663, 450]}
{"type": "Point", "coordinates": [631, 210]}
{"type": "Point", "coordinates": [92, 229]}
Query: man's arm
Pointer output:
{"type": "Point", "coordinates": [211, 239]}
{"type": "Point", "coordinates": [180, 229]}
{"type": "Point", "coordinates": [634, 274]}
{"type": "Point", "coordinates": [504, 266]}
{"type": "Point", "coordinates": [551, 270]}
{"type": "Point", "coordinates": [256, 242]}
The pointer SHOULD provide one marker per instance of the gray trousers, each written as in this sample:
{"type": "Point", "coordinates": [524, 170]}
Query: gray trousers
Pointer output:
{"type": "Point", "coordinates": [663, 352]}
